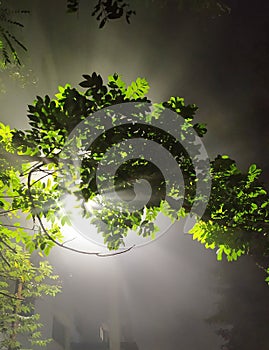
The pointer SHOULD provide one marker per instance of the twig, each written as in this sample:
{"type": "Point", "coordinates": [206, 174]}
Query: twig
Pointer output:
{"type": "Point", "coordinates": [41, 178]}
{"type": "Point", "coordinates": [5, 260]}
{"type": "Point", "coordinates": [7, 211]}
{"type": "Point", "coordinates": [8, 246]}
{"type": "Point", "coordinates": [117, 253]}
{"type": "Point", "coordinates": [11, 296]}
{"type": "Point", "coordinates": [31, 167]}
{"type": "Point", "coordinates": [35, 213]}
{"type": "Point", "coordinates": [13, 226]}
{"type": "Point", "coordinates": [69, 240]}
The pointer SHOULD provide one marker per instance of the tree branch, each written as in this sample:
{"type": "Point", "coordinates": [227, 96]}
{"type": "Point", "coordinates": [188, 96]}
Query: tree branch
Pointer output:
{"type": "Point", "coordinates": [4, 259]}
{"type": "Point", "coordinates": [13, 226]}
{"type": "Point", "coordinates": [31, 167]}
{"type": "Point", "coordinates": [42, 177]}
{"type": "Point", "coordinates": [7, 211]}
{"type": "Point", "coordinates": [11, 296]}
{"type": "Point", "coordinates": [35, 213]}
{"type": "Point", "coordinates": [8, 246]}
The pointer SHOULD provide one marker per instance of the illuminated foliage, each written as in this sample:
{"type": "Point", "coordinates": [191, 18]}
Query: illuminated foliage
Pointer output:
{"type": "Point", "coordinates": [21, 283]}
{"type": "Point", "coordinates": [234, 223]}
{"type": "Point", "coordinates": [237, 214]}
{"type": "Point", "coordinates": [51, 122]}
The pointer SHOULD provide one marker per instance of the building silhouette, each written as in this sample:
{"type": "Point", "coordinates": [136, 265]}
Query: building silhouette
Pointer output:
{"type": "Point", "coordinates": [105, 342]}
{"type": "Point", "coordinates": [103, 346]}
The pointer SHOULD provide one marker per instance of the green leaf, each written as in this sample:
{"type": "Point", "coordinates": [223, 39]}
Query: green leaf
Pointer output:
{"type": "Point", "coordinates": [219, 253]}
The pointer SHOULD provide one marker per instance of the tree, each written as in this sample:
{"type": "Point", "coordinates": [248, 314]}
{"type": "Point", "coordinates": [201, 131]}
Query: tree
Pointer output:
{"type": "Point", "coordinates": [235, 216]}
{"type": "Point", "coordinates": [8, 40]}
{"type": "Point", "coordinates": [21, 282]}
{"type": "Point", "coordinates": [103, 10]}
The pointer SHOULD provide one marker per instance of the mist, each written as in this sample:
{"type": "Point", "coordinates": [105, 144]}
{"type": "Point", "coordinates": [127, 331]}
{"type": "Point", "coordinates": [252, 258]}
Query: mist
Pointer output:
{"type": "Point", "coordinates": [160, 295]}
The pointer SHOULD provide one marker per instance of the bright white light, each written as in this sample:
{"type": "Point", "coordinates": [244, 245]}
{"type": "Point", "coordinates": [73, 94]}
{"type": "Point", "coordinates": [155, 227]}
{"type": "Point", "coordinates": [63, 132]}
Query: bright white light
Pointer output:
{"type": "Point", "coordinates": [92, 205]}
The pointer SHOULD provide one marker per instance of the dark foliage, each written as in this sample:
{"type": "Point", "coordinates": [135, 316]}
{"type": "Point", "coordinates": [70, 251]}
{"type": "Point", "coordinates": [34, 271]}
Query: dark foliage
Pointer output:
{"type": "Point", "coordinates": [8, 40]}
{"type": "Point", "coordinates": [105, 10]}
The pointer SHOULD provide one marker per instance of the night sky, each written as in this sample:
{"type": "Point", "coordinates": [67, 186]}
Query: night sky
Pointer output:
{"type": "Point", "coordinates": [164, 292]}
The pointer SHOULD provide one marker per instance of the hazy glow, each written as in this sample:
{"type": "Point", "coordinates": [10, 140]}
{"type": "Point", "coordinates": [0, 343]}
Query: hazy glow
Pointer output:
{"type": "Point", "coordinates": [84, 233]}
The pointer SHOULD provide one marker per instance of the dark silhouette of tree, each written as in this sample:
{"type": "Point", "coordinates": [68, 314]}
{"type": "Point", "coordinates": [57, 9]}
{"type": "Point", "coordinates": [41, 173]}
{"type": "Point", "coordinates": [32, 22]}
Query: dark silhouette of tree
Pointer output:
{"type": "Point", "coordinates": [9, 41]}
{"type": "Point", "coordinates": [103, 10]}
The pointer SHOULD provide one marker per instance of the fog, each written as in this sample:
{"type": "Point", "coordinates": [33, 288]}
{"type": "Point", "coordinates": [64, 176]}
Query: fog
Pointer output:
{"type": "Point", "coordinates": [161, 294]}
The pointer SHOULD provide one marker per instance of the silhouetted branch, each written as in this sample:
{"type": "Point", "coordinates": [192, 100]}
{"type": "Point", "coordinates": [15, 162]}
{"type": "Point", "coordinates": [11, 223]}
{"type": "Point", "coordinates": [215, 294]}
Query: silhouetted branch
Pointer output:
{"type": "Point", "coordinates": [11, 296]}
{"type": "Point", "coordinates": [61, 245]}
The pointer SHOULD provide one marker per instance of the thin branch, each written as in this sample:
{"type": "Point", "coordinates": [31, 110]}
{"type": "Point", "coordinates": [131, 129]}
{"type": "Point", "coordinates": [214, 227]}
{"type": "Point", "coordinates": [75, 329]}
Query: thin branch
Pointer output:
{"type": "Point", "coordinates": [39, 165]}
{"type": "Point", "coordinates": [100, 254]}
{"type": "Point", "coordinates": [49, 172]}
{"type": "Point", "coordinates": [5, 260]}
{"type": "Point", "coordinates": [117, 253]}
{"type": "Point", "coordinates": [8, 246]}
{"type": "Point", "coordinates": [35, 213]}
{"type": "Point", "coordinates": [11, 296]}
{"type": "Point", "coordinates": [69, 240]}
{"type": "Point", "coordinates": [7, 211]}
{"type": "Point", "coordinates": [13, 226]}
{"type": "Point", "coordinates": [261, 267]}
{"type": "Point", "coordinates": [31, 167]}
{"type": "Point", "coordinates": [41, 178]}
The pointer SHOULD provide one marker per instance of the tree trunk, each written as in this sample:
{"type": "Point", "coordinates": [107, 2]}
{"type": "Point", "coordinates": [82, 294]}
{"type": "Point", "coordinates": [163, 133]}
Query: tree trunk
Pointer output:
{"type": "Point", "coordinates": [17, 309]}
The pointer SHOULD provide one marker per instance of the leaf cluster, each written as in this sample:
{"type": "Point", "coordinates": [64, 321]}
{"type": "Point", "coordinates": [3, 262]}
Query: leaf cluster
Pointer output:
{"type": "Point", "coordinates": [21, 282]}
{"type": "Point", "coordinates": [236, 219]}
{"type": "Point", "coordinates": [105, 10]}
{"type": "Point", "coordinates": [234, 223]}
{"type": "Point", "coordinates": [9, 41]}
{"type": "Point", "coordinates": [51, 122]}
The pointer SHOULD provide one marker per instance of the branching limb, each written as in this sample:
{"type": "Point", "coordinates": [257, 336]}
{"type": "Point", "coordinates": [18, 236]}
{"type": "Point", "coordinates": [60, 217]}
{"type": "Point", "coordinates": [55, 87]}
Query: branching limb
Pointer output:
{"type": "Point", "coordinates": [43, 177]}
{"type": "Point", "coordinates": [62, 245]}
{"type": "Point", "coordinates": [31, 167]}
